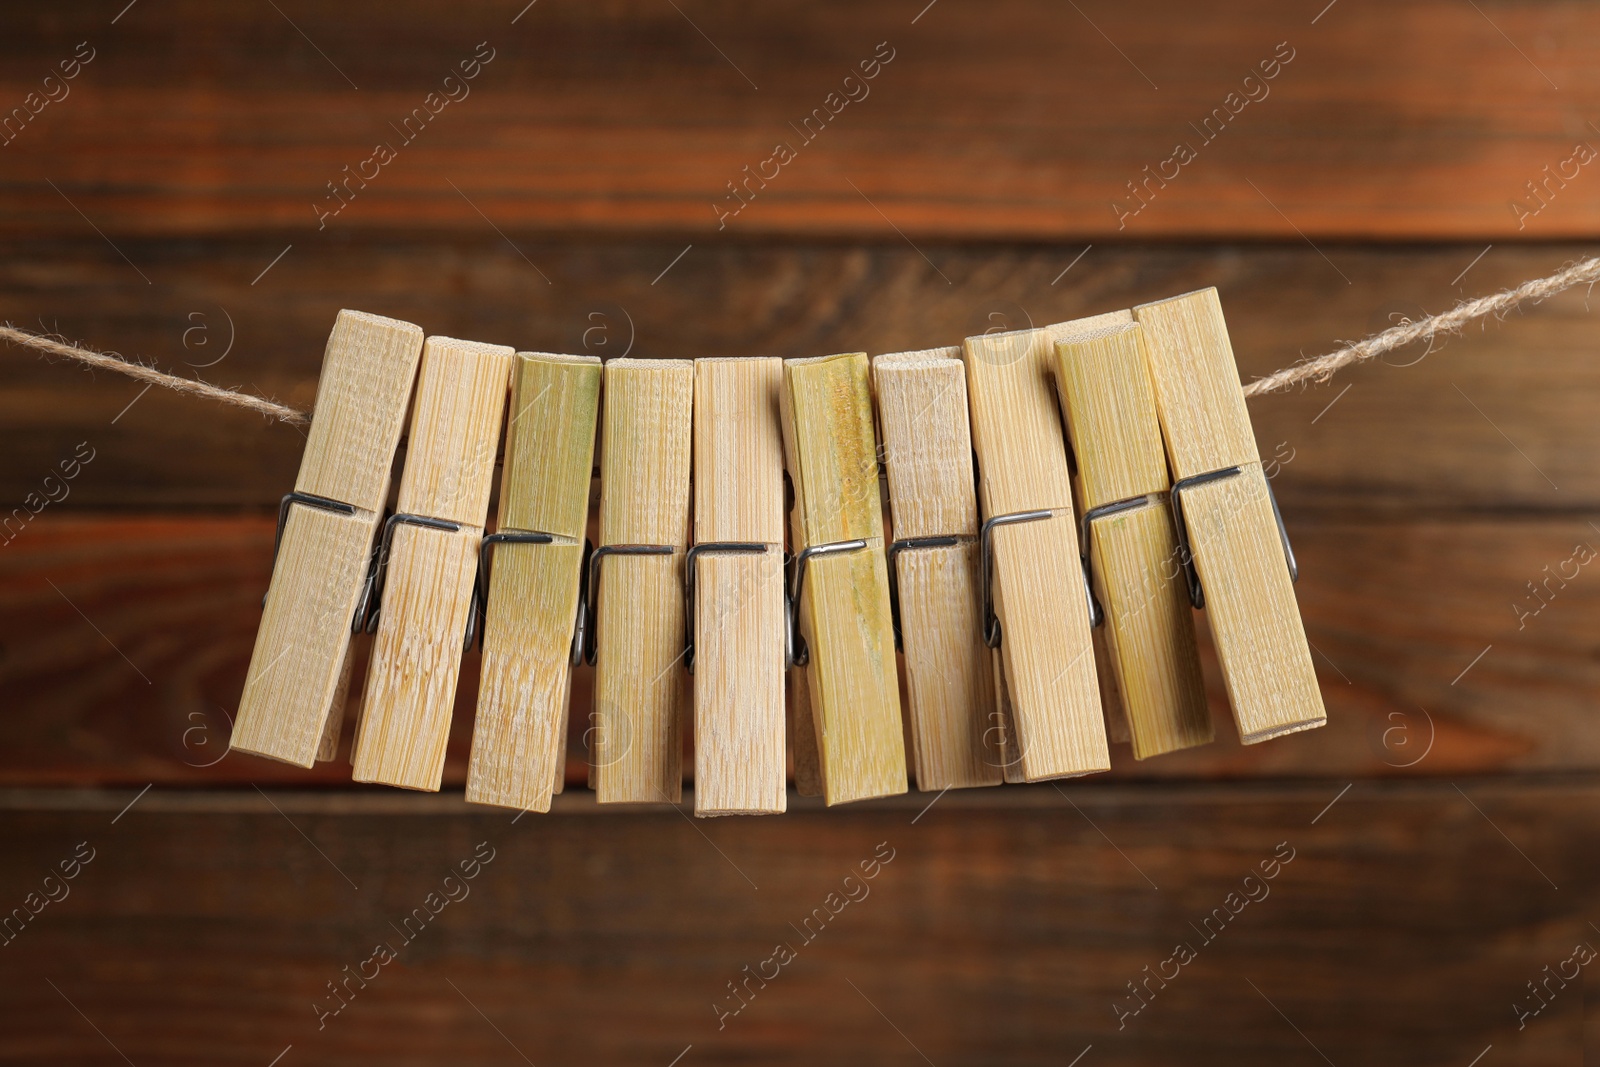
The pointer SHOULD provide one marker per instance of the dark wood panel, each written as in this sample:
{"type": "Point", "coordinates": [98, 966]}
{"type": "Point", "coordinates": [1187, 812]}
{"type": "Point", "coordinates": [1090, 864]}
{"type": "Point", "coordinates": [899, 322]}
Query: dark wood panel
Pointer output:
{"type": "Point", "coordinates": [1498, 419]}
{"type": "Point", "coordinates": [1402, 931]}
{"type": "Point", "coordinates": [1425, 118]}
{"type": "Point", "coordinates": [124, 644]}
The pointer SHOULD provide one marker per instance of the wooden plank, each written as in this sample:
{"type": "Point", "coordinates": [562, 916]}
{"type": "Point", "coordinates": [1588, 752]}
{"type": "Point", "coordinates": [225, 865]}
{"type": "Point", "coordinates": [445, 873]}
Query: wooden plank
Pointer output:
{"type": "Point", "coordinates": [927, 445]}
{"type": "Point", "coordinates": [1410, 433]}
{"type": "Point", "coordinates": [299, 670]}
{"type": "Point", "coordinates": [1358, 131]}
{"type": "Point", "coordinates": [523, 696]}
{"type": "Point", "coordinates": [1136, 562]}
{"type": "Point", "coordinates": [843, 608]}
{"type": "Point", "coordinates": [426, 594]}
{"type": "Point", "coordinates": [646, 447]}
{"type": "Point", "coordinates": [739, 635]}
{"type": "Point", "coordinates": [1038, 931]}
{"type": "Point", "coordinates": [177, 596]}
{"type": "Point", "coordinates": [1233, 532]}
{"type": "Point", "coordinates": [1052, 695]}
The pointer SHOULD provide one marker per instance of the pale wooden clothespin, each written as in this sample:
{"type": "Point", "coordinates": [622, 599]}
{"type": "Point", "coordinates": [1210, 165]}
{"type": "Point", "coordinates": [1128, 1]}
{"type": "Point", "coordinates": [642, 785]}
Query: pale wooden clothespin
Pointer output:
{"type": "Point", "coordinates": [428, 564]}
{"type": "Point", "coordinates": [839, 589]}
{"type": "Point", "coordinates": [293, 700]}
{"type": "Point", "coordinates": [530, 571]}
{"type": "Point", "coordinates": [934, 563]}
{"type": "Point", "coordinates": [1228, 521]}
{"type": "Point", "coordinates": [636, 581]}
{"type": "Point", "coordinates": [1038, 611]}
{"type": "Point", "coordinates": [1129, 538]}
{"type": "Point", "coordinates": [735, 598]}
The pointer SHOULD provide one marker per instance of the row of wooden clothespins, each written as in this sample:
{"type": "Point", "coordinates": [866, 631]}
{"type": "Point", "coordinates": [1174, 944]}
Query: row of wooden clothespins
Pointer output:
{"type": "Point", "coordinates": [1166, 509]}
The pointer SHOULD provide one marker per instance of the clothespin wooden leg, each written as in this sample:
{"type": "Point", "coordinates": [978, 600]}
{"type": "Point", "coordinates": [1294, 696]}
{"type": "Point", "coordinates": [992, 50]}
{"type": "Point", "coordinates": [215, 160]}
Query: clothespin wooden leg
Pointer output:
{"type": "Point", "coordinates": [1130, 540]}
{"type": "Point", "coordinates": [533, 564]}
{"type": "Point", "coordinates": [637, 577]}
{"type": "Point", "coordinates": [293, 693]}
{"type": "Point", "coordinates": [1002, 728]}
{"type": "Point", "coordinates": [935, 561]}
{"type": "Point", "coordinates": [802, 731]}
{"type": "Point", "coordinates": [430, 563]}
{"type": "Point", "coordinates": [840, 588]}
{"type": "Point", "coordinates": [328, 748]}
{"type": "Point", "coordinates": [1041, 612]}
{"type": "Point", "coordinates": [1222, 501]}
{"type": "Point", "coordinates": [736, 588]}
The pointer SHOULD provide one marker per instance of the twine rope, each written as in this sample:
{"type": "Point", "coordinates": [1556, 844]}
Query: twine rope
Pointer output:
{"type": "Point", "coordinates": [56, 346]}
{"type": "Point", "coordinates": [1322, 368]}
{"type": "Point", "coordinates": [1309, 371]}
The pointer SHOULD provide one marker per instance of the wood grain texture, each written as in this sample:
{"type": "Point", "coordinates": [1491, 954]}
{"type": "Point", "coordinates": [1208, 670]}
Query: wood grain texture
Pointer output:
{"type": "Point", "coordinates": [298, 665]}
{"type": "Point", "coordinates": [333, 728]}
{"type": "Point", "coordinates": [1402, 439]}
{"type": "Point", "coordinates": [1251, 608]}
{"type": "Point", "coordinates": [1202, 410]}
{"type": "Point", "coordinates": [927, 442]}
{"type": "Point", "coordinates": [1150, 654]}
{"type": "Point", "coordinates": [592, 152]}
{"type": "Point", "coordinates": [1044, 915]}
{"type": "Point", "coordinates": [950, 698]}
{"type": "Point", "coordinates": [740, 625]}
{"type": "Point", "coordinates": [416, 658]}
{"type": "Point", "coordinates": [1003, 721]}
{"type": "Point", "coordinates": [844, 612]}
{"type": "Point", "coordinates": [738, 450]}
{"type": "Point", "coordinates": [426, 595]}
{"type": "Point", "coordinates": [1110, 693]}
{"type": "Point", "coordinates": [519, 728]}
{"type": "Point", "coordinates": [804, 762]}
{"type": "Point", "coordinates": [646, 448]}
{"type": "Point", "coordinates": [1052, 696]}
{"type": "Point", "coordinates": [455, 430]}
{"type": "Point", "coordinates": [300, 673]}
{"type": "Point", "coordinates": [1233, 534]}
{"type": "Point", "coordinates": [363, 390]}
{"type": "Point", "coordinates": [739, 733]}
{"type": "Point", "coordinates": [1149, 629]}
{"type": "Point", "coordinates": [1109, 403]}
{"type": "Point", "coordinates": [625, 119]}
{"type": "Point", "coordinates": [177, 596]}
{"type": "Point", "coordinates": [550, 444]}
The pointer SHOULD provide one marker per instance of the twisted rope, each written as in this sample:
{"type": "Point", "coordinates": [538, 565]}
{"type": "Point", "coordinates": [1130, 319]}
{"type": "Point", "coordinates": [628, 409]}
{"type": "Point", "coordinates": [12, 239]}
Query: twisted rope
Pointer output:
{"type": "Point", "coordinates": [141, 372]}
{"type": "Point", "coordinates": [1317, 370]}
{"type": "Point", "coordinates": [1322, 368]}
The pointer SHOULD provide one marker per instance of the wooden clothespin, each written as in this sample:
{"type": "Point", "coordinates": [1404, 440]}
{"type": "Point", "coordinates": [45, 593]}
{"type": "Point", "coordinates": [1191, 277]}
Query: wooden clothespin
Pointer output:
{"type": "Point", "coordinates": [1228, 521]}
{"type": "Point", "coordinates": [1129, 538]}
{"type": "Point", "coordinates": [934, 563]}
{"type": "Point", "coordinates": [428, 561]}
{"type": "Point", "coordinates": [1038, 610]}
{"type": "Point", "coordinates": [839, 591]}
{"type": "Point", "coordinates": [735, 598]}
{"type": "Point", "coordinates": [636, 578]}
{"type": "Point", "coordinates": [530, 570]}
{"type": "Point", "coordinates": [293, 700]}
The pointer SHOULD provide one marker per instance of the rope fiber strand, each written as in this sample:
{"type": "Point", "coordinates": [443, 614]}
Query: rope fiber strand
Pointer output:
{"type": "Point", "coordinates": [1322, 368]}
{"type": "Point", "coordinates": [112, 362]}
{"type": "Point", "coordinates": [1317, 370]}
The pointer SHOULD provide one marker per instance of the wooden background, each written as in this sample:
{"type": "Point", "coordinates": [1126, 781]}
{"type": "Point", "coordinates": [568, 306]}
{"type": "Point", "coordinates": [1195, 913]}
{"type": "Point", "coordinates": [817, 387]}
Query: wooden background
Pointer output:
{"type": "Point", "coordinates": [164, 208]}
